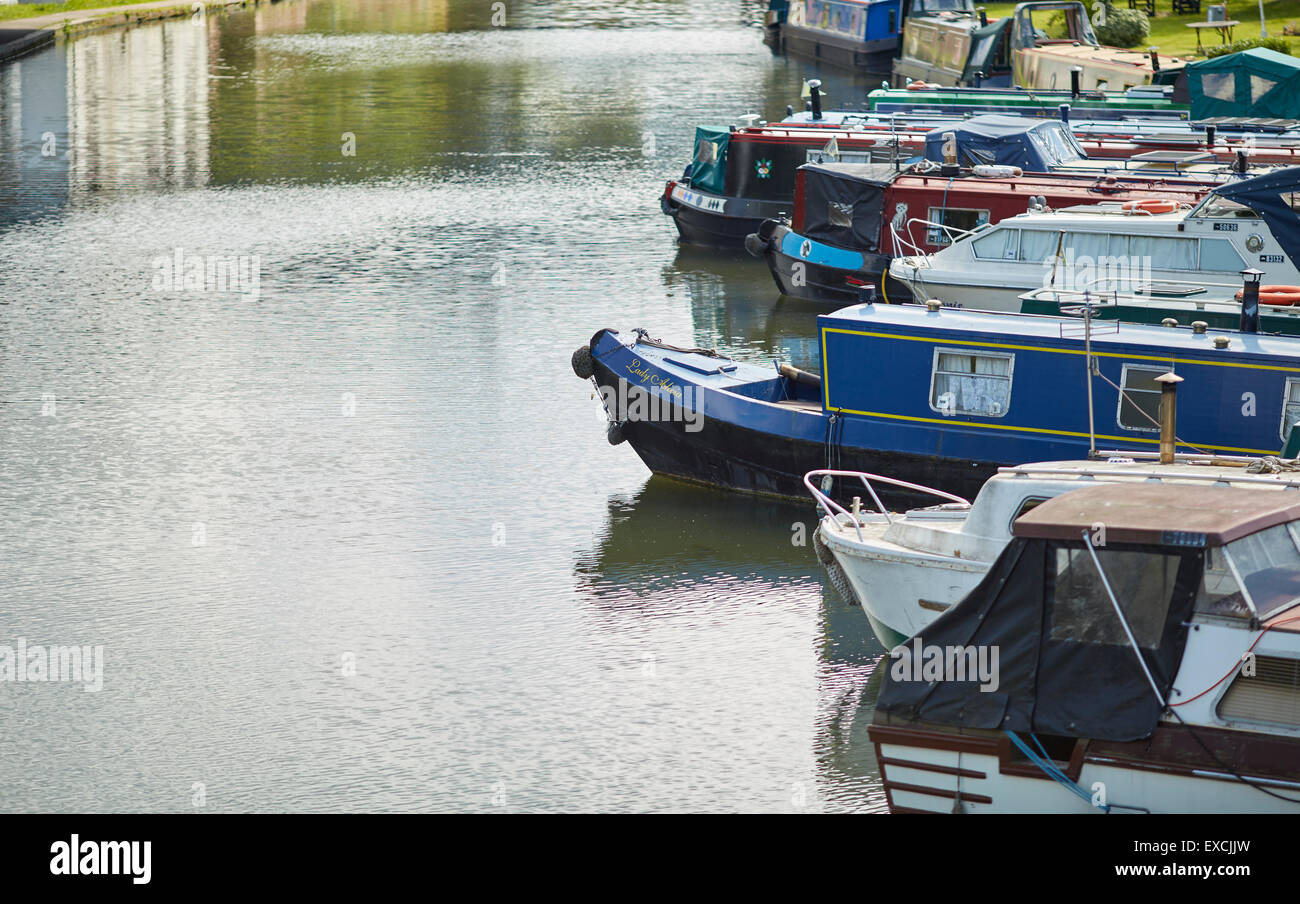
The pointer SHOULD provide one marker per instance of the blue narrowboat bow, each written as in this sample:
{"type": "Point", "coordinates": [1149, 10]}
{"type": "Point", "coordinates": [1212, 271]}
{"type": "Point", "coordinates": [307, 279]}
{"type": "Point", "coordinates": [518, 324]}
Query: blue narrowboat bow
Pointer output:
{"type": "Point", "coordinates": [942, 397]}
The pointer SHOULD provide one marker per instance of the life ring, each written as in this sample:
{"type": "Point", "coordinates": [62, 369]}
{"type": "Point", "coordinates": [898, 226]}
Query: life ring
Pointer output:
{"type": "Point", "coordinates": [1150, 207]}
{"type": "Point", "coordinates": [919, 86]}
{"type": "Point", "coordinates": [1282, 296]}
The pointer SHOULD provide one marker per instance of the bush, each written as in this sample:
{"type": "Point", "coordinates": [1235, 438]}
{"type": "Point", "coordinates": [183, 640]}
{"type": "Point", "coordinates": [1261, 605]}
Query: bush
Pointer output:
{"type": "Point", "coordinates": [1123, 27]}
{"type": "Point", "coordinates": [1278, 44]}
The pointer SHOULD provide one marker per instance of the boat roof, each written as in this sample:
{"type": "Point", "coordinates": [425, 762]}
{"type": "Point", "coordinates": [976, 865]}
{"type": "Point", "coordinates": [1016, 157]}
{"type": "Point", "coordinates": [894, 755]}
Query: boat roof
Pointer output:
{"type": "Point", "coordinates": [1159, 514]}
{"type": "Point", "coordinates": [1043, 327]}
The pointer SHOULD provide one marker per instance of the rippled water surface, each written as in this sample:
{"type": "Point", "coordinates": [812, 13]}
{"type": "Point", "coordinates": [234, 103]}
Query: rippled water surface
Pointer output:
{"type": "Point", "coordinates": [352, 537]}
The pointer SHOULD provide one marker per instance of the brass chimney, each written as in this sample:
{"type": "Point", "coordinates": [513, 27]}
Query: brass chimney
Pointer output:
{"type": "Point", "coordinates": [1168, 403]}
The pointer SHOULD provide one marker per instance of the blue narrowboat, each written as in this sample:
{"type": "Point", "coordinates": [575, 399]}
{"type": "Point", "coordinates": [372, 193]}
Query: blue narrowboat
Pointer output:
{"type": "Point", "coordinates": [940, 396]}
{"type": "Point", "coordinates": [859, 34]}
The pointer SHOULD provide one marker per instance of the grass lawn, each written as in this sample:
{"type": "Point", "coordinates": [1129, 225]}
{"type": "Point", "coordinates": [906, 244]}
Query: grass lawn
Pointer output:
{"type": "Point", "coordinates": [1171, 34]}
{"type": "Point", "coordinates": [27, 10]}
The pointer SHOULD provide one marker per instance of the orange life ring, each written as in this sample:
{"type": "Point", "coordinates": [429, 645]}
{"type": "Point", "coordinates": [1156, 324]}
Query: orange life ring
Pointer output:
{"type": "Point", "coordinates": [918, 86]}
{"type": "Point", "coordinates": [1150, 207]}
{"type": "Point", "coordinates": [1282, 296]}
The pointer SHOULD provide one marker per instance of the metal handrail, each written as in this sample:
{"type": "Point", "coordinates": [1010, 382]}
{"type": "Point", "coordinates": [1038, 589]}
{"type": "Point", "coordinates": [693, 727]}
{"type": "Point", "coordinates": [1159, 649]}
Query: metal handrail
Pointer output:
{"type": "Point", "coordinates": [832, 506]}
{"type": "Point", "coordinates": [953, 234]}
{"type": "Point", "coordinates": [1245, 478]}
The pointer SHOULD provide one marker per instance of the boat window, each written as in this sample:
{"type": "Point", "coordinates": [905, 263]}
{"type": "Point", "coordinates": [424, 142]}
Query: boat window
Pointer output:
{"type": "Point", "coordinates": [1139, 404]}
{"type": "Point", "coordinates": [1090, 245]}
{"type": "Point", "coordinates": [1219, 593]}
{"type": "Point", "coordinates": [999, 244]}
{"type": "Point", "coordinates": [1158, 252]}
{"type": "Point", "coordinates": [1026, 505]}
{"type": "Point", "coordinates": [1143, 582]}
{"type": "Point", "coordinates": [1259, 86]}
{"type": "Point", "coordinates": [965, 382]}
{"type": "Point", "coordinates": [1218, 254]}
{"type": "Point", "coordinates": [1215, 206]}
{"type": "Point", "coordinates": [1220, 85]}
{"type": "Point", "coordinates": [955, 218]}
{"type": "Point", "coordinates": [1290, 406]}
{"type": "Point", "coordinates": [1039, 246]}
{"type": "Point", "coordinates": [1269, 565]}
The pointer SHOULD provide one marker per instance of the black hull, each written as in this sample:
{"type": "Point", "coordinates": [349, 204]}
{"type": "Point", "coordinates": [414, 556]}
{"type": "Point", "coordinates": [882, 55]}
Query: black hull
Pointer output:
{"type": "Point", "coordinates": [716, 230]}
{"type": "Point", "coordinates": [868, 56]}
{"type": "Point", "coordinates": [726, 455]}
{"type": "Point", "coordinates": [832, 285]}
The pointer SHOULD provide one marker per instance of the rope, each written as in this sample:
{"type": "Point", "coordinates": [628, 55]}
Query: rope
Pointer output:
{"type": "Point", "coordinates": [1272, 465]}
{"type": "Point", "coordinates": [1049, 768]}
{"type": "Point", "coordinates": [643, 338]}
{"type": "Point", "coordinates": [1156, 423]}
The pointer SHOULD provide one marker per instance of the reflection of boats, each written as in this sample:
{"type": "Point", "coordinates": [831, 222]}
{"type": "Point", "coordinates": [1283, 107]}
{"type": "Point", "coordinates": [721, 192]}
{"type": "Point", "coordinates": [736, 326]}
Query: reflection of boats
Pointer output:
{"type": "Point", "coordinates": [939, 396]}
{"type": "Point", "coordinates": [906, 569]}
{"type": "Point", "coordinates": [670, 537]}
{"type": "Point", "coordinates": [1118, 247]}
{"type": "Point", "coordinates": [1133, 648]}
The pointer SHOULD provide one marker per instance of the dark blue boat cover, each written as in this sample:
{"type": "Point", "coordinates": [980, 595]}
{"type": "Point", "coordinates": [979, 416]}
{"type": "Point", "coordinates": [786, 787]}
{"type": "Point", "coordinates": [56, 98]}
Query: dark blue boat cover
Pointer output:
{"type": "Point", "coordinates": [1036, 146]}
{"type": "Point", "coordinates": [1274, 197]}
{"type": "Point", "coordinates": [1062, 669]}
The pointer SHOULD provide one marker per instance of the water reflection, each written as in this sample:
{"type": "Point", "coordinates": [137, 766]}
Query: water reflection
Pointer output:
{"type": "Point", "coordinates": [386, 450]}
{"type": "Point", "coordinates": [680, 553]}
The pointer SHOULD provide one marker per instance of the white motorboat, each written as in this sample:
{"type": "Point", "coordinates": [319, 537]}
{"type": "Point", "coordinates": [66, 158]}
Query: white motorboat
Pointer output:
{"type": "Point", "coordinates": [1135, 647]}
{"type": "Point", "coordinates": [1131, 247]}
{"type": "Point", "coordinates": [905, 569]}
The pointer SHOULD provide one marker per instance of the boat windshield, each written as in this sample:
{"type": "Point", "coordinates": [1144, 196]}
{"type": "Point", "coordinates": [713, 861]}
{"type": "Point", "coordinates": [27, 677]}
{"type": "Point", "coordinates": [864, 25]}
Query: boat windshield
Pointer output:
{"type": "Point", "coordinates": [1215, 206]}
{"type": "Point", "coordinates": [930, 7]}
{"type": "Point", "coordinates": [1267, 563]}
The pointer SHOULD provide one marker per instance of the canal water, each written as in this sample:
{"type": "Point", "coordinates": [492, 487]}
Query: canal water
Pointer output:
{"type": "Point", "coordinates": [331, 500]}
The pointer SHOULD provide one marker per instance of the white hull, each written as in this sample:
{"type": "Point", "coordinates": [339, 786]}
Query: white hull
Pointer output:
{"type": "Point", "coordinates": [903, 592]}
{"type": "Point", "coordinates": [1158, 792]}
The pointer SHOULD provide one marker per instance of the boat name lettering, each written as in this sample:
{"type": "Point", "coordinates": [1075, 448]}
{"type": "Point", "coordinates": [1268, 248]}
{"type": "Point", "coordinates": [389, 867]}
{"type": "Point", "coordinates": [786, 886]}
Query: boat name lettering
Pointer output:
{"type": "Point", "coordinates": [1225, 227]}
{"type": "Point", "coordinates": [654, 379]}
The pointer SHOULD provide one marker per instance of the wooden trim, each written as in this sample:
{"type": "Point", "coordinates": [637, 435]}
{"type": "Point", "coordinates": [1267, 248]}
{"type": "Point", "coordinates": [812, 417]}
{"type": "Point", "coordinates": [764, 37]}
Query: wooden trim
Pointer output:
{"type": "Point", "coordinates": [930, 767]}
{"type": "Point", "coordinates": [939, 792]}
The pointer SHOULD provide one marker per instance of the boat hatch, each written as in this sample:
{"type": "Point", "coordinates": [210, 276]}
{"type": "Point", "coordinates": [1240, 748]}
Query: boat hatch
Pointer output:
{"type": "Point", "coordinates": [1170, 157]}
{"type": "Point", "coordinates": [702, 364]}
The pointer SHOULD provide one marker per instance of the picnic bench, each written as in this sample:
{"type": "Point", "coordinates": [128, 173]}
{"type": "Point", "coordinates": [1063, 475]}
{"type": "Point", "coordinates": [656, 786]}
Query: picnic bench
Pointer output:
{"type": "Point", "coordinates": [1217, 18]}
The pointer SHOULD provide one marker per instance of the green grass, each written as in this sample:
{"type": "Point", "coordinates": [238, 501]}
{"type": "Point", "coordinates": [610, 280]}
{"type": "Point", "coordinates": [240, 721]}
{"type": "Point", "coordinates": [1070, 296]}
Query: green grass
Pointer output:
{"type": "Point", "coordinates": [27, 10]}
{"type": "Point", "coordinates": [1171, 34]}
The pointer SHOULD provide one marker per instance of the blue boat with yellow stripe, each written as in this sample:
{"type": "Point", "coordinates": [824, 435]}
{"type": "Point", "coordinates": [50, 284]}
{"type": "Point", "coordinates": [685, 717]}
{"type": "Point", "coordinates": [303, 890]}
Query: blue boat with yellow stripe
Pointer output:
{"type": "Point", "coordinates": [942, 397]}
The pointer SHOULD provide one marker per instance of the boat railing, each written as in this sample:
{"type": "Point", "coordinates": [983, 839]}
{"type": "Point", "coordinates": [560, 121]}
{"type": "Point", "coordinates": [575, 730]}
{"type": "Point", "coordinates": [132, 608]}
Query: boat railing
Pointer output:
{"type": "Point", "coordinates": [1246, 477]}
{"type": "Point", "coordinates": [951, 234]}
{"type": "Point", "coordinates": [834, 508]}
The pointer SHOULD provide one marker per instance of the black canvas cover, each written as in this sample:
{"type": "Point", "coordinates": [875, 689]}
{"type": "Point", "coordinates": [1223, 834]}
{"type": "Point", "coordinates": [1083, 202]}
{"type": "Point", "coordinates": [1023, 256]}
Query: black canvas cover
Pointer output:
{"type": "Point", "coordinates": [763, 170]}
{"type": "Point", "coordinates": [1064, 664]}
{"type": "Point", "coordinates": [843, 202]}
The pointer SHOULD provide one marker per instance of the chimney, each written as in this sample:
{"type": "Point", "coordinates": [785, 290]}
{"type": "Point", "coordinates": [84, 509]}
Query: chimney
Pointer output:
{"type": "Point", "coordinates": [1250, 278]}
{"type": "Point", "coordinates": [1168, 399]}
{"type": "Point", "coordinates": [815, 93]}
